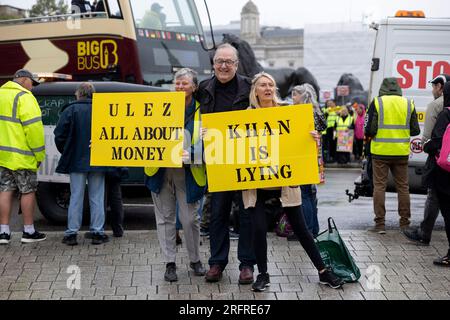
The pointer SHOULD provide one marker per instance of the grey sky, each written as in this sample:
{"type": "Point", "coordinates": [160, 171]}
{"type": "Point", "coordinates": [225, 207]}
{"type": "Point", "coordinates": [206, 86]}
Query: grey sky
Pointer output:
{"type": "Point", "coordinates": [289, 13]}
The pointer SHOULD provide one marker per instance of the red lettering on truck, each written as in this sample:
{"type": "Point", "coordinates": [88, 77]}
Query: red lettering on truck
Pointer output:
{"type": "Point", "coordinates": [407, 80]}
{"type": "Point", "coordinates": [408, 69]}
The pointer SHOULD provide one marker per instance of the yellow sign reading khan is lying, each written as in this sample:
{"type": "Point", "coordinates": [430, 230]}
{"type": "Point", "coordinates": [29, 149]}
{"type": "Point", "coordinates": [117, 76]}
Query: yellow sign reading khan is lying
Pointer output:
{"type": "Point", "coordinates": [138, 129]}
{"type": "Point", "coordinates": [260, 148]}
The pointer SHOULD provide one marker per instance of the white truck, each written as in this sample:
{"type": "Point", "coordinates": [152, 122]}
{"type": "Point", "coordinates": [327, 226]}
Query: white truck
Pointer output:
{"type": "Point", "coordinates": [414, 50]}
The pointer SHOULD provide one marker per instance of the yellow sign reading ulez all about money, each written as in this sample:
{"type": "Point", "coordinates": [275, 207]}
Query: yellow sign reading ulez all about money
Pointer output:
{"type": "Point", "coordinates": [260, 148]}
{"type": "Point", "coordinates": [137, 129]}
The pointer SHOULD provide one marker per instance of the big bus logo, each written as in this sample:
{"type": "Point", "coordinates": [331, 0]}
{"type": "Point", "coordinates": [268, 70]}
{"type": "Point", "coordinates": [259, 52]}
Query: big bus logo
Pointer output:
{"type": "Point", "coordinates": [95, 55]}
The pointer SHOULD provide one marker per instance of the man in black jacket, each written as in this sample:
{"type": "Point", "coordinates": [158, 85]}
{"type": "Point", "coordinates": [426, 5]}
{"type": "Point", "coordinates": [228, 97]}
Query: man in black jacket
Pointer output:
{"type": "Point", "coordinates": [227, 91]}
{"type": "Point", "coordinates": [73, 141]}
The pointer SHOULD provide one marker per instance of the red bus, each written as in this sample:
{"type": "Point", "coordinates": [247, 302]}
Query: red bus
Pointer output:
{"type": "Point", "coordinates": [132, 41]}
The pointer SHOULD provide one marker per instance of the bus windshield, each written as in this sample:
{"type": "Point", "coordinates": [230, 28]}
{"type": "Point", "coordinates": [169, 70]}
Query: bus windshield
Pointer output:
{"type": "Point", "coordinates": [165, 15]}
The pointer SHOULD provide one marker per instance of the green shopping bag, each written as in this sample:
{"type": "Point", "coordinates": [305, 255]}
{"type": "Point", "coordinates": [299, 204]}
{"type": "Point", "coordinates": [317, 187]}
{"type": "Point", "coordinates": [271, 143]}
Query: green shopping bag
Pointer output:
{"type": "Point", "coordinates": [335, 254]}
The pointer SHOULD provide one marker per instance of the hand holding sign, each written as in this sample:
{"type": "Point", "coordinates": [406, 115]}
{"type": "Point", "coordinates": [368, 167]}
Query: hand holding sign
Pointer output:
{"type": "Point", "coordinates": [270, 147]}
{"type": "Point", "coordinates": [138, 129]}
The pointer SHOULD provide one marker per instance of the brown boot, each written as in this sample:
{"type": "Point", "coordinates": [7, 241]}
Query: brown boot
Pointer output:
{"type": "Point", "coordinates": [214, 274]}
{"type": "Point", "coordinates": [246, 276]}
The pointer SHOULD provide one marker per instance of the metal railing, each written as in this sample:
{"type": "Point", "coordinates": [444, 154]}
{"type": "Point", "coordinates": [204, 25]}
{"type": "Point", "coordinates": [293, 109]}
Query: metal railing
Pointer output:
{"type": "Point", "coordinates": [55, 18]}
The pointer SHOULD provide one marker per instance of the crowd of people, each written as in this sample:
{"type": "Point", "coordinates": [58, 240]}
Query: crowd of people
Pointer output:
{"type": "Point", "coordinates": [181, 193]}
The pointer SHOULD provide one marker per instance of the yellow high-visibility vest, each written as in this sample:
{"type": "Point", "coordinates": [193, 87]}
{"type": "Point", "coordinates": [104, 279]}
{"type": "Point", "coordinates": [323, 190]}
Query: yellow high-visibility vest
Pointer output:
{"type": "Point", "coordinates": [22, 140]}
{"type": "Point", "coordinates": [394, 118]}
{"type": "Point", "coordinates": [344, 125]}
{"type": "Point", "coordinates": [198, 171]}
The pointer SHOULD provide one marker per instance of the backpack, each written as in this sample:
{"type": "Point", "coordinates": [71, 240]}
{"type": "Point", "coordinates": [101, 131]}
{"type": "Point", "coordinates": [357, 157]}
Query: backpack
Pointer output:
{"type": "Point", "coordinates": [443, 160]}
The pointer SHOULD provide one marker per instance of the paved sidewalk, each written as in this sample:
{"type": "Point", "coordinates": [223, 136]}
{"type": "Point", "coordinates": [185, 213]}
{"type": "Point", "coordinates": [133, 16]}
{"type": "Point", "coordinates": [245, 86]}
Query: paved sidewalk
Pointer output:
{"type": "Point", "coordinates": [131, 268]}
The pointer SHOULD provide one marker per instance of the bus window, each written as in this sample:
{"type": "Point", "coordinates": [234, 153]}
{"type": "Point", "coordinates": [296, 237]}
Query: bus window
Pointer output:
{"type": "Point", "coordinates": [165, 15]}
{"type": "Point", "coordinates": [114, 9]}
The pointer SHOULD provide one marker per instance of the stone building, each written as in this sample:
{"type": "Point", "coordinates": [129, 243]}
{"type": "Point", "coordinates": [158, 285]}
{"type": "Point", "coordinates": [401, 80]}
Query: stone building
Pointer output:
{"type": "Point", "coordinates": [274, 47]}
{"type": "Point", "coordinates": [12, 12]}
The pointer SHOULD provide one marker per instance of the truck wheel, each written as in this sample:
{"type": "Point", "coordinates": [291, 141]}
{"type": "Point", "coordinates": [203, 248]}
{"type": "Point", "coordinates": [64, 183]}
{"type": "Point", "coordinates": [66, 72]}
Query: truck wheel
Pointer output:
{"type": "Point", "coordinates": [53, 201]}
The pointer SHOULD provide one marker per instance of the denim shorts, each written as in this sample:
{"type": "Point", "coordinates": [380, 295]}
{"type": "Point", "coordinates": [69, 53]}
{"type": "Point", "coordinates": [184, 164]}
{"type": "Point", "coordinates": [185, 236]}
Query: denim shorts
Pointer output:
{"type": "Point", "coordinates": [23, 180]}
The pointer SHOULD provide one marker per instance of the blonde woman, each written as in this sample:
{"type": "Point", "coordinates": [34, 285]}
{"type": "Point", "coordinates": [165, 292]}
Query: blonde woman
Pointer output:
{"type": "Point", "coordinates": [263, 95]}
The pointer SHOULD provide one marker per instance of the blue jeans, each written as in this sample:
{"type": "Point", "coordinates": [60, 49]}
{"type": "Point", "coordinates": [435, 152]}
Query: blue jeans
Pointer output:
{"type": "Point", "coordinates": [219, 231]}
{"type": "Point", "coordinates": [96, 181]}
{"type": "Point", "coordinates": [309, 208]}
{"type": "Point", "coordinates": [200, 211]}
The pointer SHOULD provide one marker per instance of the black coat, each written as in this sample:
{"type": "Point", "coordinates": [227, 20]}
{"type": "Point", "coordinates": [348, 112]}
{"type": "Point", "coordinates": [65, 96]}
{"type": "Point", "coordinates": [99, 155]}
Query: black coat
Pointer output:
{"type": "Point", "coordinates": [206, 94]}
{"type": "Point", "coordinates": [436, 177]}
{"type": "Point", "coordinates": [73, 138]}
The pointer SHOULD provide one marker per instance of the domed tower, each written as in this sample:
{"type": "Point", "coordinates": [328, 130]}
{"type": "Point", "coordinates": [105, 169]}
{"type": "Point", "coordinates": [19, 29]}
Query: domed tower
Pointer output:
{"type": "Point", "coordinates": [250, 23]}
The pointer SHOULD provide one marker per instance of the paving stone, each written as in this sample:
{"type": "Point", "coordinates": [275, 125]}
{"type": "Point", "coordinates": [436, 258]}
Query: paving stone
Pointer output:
{"type": "Point", "coordinates": [439, 295]}
{"type": "Point", "coordinates": [244, 295]}
{"type": "Point", "coordinates": [126, 291]}
{"type": "Point", "coordinates": [374, 296]}
{"type": "Point", "coordinates": [222, 296]}
{"type": "Point", "coordinates": [18, 286]}
{"type": "Point", "coordinates": [20, 295]}
{"type": "Point", "coordinates": [43, 285]}
{"type": "Point", "coordinates": [351, 295]}
{"type": "Point", "coordinates": [413, 287]}
{"type": "Point", "coordinates": [395, 295]}
{"type": "Point", "coordinates": [67, 293]}
{"type": "Point", "coordinates": [4, 295]}
{"type": "Point", "coordinates": [330, 295]}
{"type": "Point", "coordinates": [136, 297]}
{"type": "Point", "coordinates": [41, 295]}
{"type": "Point", "coordinates": [417, 295]}
{"type": "Point", "coordinates": [290, 287]}
{"type": "Point", "coordinates": [286, 296]}
{"type": "Point", "coordinates": [114, 298]}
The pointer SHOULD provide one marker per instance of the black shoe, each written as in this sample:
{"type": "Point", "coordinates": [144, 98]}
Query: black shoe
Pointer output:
{"type": "Point", "coordinates": [99, 238]}
{"type": "Point", "coordinates": [70, 240]}
{"type": "Point", "coordinates": [35, 237]}
{"type": "Point", "coordinates": [5, 238]}
{"type": "Point", "coordinates": [261, 283]}
{"type": "Point", "coordinates": [329, 278]}
{"type": "Point", "coordinates": [198, 268]}
{"type": "Point", "coordinates": [117, 232]}
{"type": "Point", "coordinates": [171, 273]}
{"type": "Point", "coordinates": [444, 261]}
{"type": "Point", "coordinates": [88, 235]}
{"type": "Point", "coordinates": [414, 236]}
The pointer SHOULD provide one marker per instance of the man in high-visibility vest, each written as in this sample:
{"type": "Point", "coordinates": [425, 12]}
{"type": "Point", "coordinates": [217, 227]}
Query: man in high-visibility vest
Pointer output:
{"type": "Point", "coordinates": [328, 134]}
{"type": "Point", "coordinates": [22, 149]}
{"type": "Point", "coordinates": [391, 121]}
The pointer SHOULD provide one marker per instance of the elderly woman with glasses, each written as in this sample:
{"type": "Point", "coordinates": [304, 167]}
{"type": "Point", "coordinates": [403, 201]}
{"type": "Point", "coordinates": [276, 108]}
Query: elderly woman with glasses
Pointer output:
{"type": "Point", "coordinates": [183, 186]}
{"type": "Point", "coordinates": [263, 94]}
{"type": "Point", "coordinates": [306, 94]}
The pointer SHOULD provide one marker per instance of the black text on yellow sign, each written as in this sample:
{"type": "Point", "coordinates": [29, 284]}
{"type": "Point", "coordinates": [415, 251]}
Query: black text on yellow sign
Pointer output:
{"type": "Point", "coordinates": [260, 148]}
{"type": "Point", "coordinates": [138, 129]}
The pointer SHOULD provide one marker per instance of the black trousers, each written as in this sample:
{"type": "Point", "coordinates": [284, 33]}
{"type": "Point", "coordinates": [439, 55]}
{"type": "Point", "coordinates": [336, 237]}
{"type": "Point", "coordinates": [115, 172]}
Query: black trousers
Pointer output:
{"type": "Point", "coordinates": [297, 221]}
{"type": "Point", "coordinates": [114, 200]}
{"type": "Point", "coordinates": [444, 205]}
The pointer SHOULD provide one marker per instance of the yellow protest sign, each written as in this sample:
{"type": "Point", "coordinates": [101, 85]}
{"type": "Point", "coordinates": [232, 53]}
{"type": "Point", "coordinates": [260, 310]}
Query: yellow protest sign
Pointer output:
{"type": "Point", "coordinates": [137, 129]}
{"type": "Point", "coordinates": [260, 148]}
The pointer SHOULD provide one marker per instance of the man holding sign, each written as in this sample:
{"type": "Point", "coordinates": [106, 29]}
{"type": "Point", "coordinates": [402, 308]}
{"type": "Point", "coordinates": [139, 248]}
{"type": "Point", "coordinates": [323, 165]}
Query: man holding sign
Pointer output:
{"type": "Point", "coordinates": [267, 157]}
{"type": "Point", "coordinates": [226, 91]}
